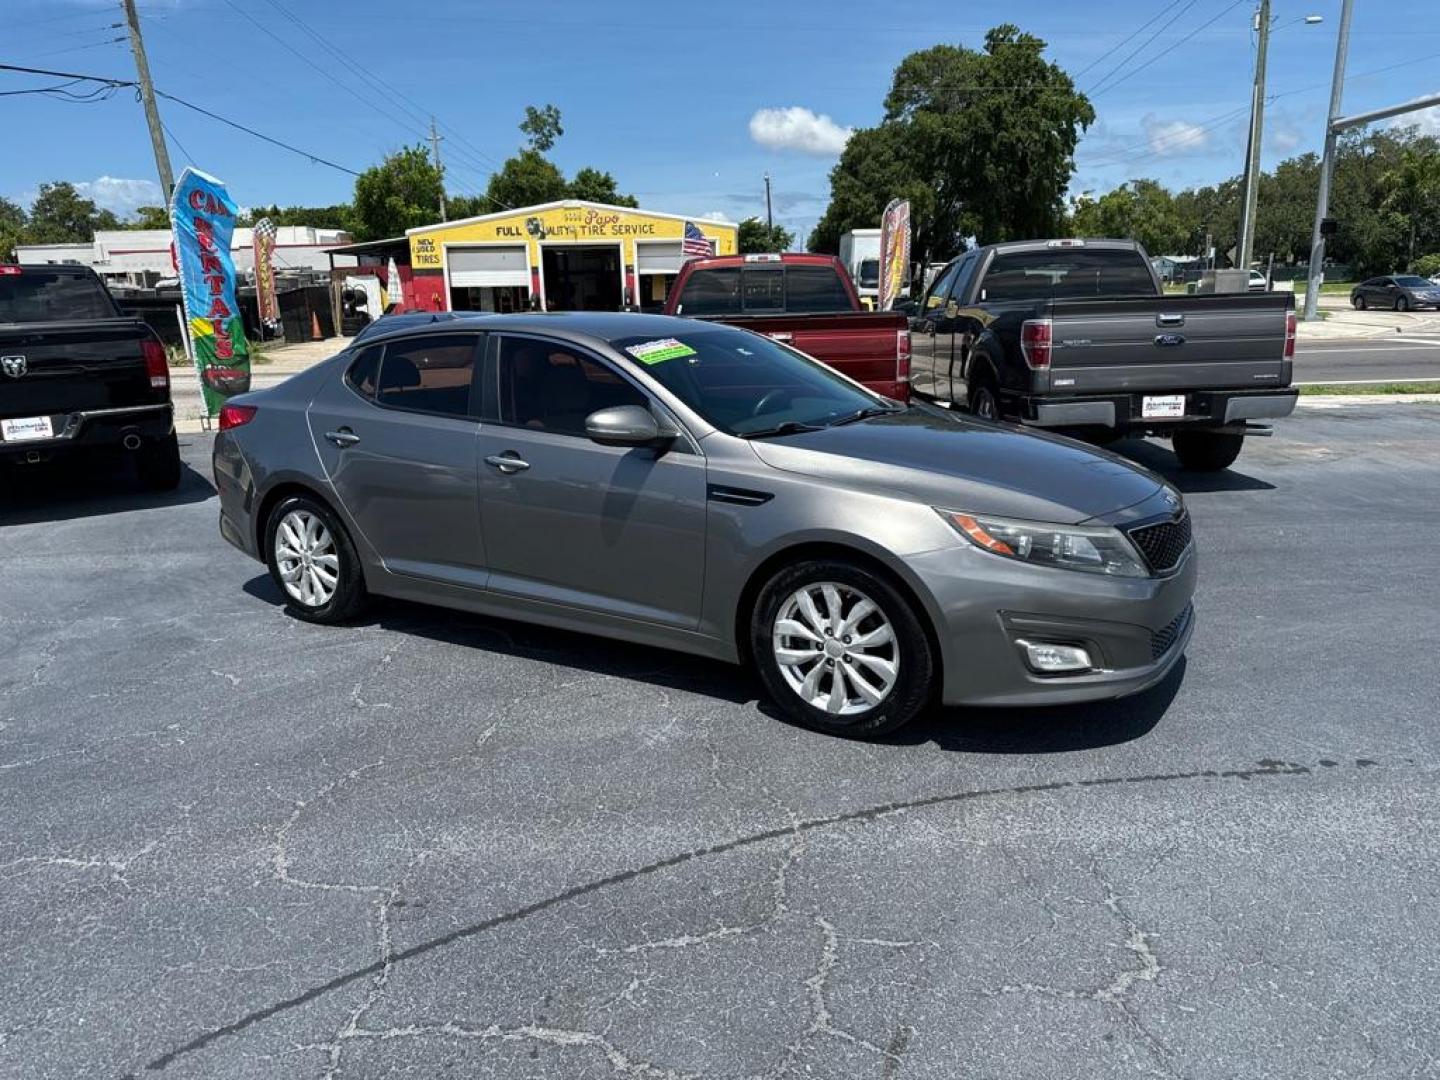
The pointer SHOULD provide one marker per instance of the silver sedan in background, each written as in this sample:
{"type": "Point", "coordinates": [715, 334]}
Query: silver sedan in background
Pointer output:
{"type": "Point", "coordinates": [697, 487]}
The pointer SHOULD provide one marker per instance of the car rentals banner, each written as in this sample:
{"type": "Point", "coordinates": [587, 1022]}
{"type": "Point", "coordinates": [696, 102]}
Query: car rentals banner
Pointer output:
{"type": "Point", "coordinates": [203, 216]}
{"type": "Point", "coordinates": [263, 241]}
{"type": "Point", "coordinates": [894, 251]}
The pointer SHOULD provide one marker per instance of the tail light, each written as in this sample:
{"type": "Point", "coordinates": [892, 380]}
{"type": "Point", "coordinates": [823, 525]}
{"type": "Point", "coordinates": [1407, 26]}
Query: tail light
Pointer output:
{"type": "Point", "coordinates": [1035, 343]}
{"type": "Point", "coordinates": [236, 415]}
{"type": "Point", "coordinates": [156, 365]}
{"type": "Point", "coordinates": [902, 356]}
{"type": "Point", "coordinates": [1290, 336]}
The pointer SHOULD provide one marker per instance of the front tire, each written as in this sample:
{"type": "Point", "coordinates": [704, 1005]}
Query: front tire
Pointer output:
{"type": "Point", "coordinates": [313, 562]}
{"type": "Point", "coordinates": [157, 463]}
{"type": "Point", "coordinates": [840, 649]}
{"type": "Point", "coordinates": [1359, 303]}
{"type": "Point", "coordinates": [1402, 304]}
{"type": "Point", "coordinates": [1207, 451]}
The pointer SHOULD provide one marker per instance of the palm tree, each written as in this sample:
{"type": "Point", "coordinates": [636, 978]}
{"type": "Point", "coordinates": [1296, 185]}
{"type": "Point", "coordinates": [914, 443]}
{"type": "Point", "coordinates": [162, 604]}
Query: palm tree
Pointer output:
{"type": "Point", "coordinates": [1412, 185]}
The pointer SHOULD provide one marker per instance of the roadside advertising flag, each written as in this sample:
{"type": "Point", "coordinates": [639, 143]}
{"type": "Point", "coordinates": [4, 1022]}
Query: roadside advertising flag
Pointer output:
{"type": "Point", "coordinates": [394, 293]}
{"type": "Point", "coordinates": [894, 251]}
{"type": "Point", "coordinates": [203, 215]}
{"type": "Point", "coordinates": [265, 298]}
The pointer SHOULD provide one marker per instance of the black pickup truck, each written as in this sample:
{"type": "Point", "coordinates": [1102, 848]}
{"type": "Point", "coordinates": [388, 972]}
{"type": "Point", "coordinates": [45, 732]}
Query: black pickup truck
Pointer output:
{"type": "Point", "coordinates": [1078, 335]}
{"type": "Point", "coordinates": [77, 374]}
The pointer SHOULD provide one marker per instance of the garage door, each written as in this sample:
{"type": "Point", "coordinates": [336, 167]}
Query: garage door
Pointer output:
{"type": "Point", "coordinates": [658, 258]}
{"type": "Point", "coordinates": [479, 267]}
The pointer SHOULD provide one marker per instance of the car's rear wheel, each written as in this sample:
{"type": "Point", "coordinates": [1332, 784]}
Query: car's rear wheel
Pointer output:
{"type": "Point", "coordinates": [1359, 303]}
{"type": "Point", "coordinates": [157, 463]}
{"type": "Point", "coordinates": [1207, 451]}
{"type": "Point", "coordinates": [840, 649]}
{"type": "Point", "coordinates": [984, 398]}
{"type": "Point", "coordinates": [313, 562]}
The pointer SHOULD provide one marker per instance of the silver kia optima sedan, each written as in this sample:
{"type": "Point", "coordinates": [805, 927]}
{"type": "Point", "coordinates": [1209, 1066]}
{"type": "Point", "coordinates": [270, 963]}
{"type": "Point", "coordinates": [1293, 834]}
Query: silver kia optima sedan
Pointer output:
{"type": "Point", "coordinates": [698, 487]}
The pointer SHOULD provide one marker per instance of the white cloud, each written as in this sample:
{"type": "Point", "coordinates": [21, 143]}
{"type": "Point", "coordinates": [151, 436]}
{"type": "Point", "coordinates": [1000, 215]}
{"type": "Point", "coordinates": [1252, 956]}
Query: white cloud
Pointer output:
{"type": "Point", "coordinates": [120, 195]}
{"type": "Point", "coordinates": [1170, 137]}
{"type": "Point", "coordinates": [716, 215]}
{"type": "Point", "coordinates": [1427, 120]}
{"type": "Point", "coordinates": [797, 128]}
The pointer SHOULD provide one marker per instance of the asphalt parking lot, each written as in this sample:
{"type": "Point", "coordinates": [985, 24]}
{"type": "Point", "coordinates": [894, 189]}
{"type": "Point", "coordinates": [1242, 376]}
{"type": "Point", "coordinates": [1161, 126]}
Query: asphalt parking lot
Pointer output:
{"type": "Point", "coordinates": [236, 845]}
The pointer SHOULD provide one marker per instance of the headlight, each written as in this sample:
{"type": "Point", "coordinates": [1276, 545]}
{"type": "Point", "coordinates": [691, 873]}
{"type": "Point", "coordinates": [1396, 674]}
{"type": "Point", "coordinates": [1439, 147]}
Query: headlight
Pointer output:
{"type": "Point", "coordinates": [1097, 549]}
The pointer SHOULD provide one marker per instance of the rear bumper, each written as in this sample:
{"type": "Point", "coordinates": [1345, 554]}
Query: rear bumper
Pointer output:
{"type": "Point", "coordinates": [1203, 408]}
{"type": "Point", "coordinates": [95, 429]}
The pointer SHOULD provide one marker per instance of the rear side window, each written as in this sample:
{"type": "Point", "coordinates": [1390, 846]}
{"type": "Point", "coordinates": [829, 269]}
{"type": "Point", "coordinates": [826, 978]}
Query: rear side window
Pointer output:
{"type": "Point", "coordinates": [814, 288]}
{"type": "Point", "coordinates": [37, 295]}
{"type": "Point", "coordinates": [1070, 273]}
{"type": "Point", "coordinates": [364, 370]}
{"type": "Point", "coordinates": [430, 374]}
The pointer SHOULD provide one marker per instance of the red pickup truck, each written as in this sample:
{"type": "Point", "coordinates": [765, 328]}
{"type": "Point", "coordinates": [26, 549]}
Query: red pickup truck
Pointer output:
{"type": "Point", "coordinates": [806, 301]}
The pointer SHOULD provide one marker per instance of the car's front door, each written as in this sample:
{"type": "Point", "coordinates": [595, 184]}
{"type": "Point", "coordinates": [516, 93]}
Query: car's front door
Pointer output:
{"type": "Point", "coordinates": [614, 530]}
{"type": "Point", "coordinates": [397, 437]}
{"type": "Point", "coordinates": [929, 335]}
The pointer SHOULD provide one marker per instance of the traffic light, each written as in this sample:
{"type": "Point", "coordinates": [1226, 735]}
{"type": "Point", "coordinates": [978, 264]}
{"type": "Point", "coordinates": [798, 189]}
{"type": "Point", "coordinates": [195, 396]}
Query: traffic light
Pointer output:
{"type": "Point", "coordinates": [1329, 226]}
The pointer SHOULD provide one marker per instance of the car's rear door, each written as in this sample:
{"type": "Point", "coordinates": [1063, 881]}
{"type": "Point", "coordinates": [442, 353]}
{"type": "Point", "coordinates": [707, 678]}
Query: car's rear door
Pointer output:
{"type": "Point", "coordinates": [398, 437]}
{"type": "Point", "coordinates": [618, 531]}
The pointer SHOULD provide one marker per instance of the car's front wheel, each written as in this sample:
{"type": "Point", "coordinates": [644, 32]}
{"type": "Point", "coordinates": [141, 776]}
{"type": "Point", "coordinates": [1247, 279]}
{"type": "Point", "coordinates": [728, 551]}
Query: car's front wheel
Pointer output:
{"type": "Point", "coordinates": [313, 562]}
{"type": "Point", "coordinates": [1402, 304]}
{"type": "Point", "coordinates": [1359, 303]}
{"type": "Point", "coordinates": [840, 649]}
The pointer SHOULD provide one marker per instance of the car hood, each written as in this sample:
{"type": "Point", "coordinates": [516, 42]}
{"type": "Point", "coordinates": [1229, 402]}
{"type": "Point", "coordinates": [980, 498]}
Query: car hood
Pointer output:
{"type": "Point", "coordinates": [962, 463]}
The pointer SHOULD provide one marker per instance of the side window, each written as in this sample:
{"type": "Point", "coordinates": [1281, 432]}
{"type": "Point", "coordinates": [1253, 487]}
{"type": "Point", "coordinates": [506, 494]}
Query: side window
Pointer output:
{"type": "Point", "coordinates": [814, 288]}
{"type": "Point", "coordinates": [963, 277]}
{"type": "Point", "coordinates": [363, 371]}
{"type": "Point", "coordinates": [550, 386]}
{"type": "Point", "coordinates": [941, 287]}
{"type": "Point", "coordinates": [429, 374]}
{"type": "Point", "coordinates": [711, 292]}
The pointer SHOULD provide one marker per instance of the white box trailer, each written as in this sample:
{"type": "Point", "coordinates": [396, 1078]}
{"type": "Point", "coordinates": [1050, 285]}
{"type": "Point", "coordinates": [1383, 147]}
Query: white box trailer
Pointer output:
{"type": "Point", "coordinates": [860, 252]}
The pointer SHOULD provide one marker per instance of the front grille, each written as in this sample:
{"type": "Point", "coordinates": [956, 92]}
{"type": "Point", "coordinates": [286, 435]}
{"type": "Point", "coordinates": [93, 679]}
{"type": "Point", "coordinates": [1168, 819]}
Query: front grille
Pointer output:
{"type": "Point", "coordinates": [1162, 640]}
{"type": "Point", "coordinates": [1163, 544]}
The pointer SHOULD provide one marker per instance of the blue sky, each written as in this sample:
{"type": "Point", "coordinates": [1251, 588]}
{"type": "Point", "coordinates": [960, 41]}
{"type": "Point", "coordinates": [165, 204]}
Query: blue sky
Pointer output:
{"type": "Point", "coordinates": [687, 104]}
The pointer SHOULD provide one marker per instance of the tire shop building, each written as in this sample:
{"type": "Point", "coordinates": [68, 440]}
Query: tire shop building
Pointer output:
{"type": "Point", "coordinates": [559, 256]}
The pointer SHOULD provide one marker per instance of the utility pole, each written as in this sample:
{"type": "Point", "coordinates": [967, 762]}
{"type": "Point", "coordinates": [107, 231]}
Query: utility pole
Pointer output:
{"type": "Point", "coordinates": [769, 218]}
{"type": "Point", "coordinates": [1327, 165]}
{"type": "Point", "coordinates": [435, 138]}
{"type": "Point", "coordinates": [1257, 126]}
{"type": "Point", "coordinates": [147, 98]}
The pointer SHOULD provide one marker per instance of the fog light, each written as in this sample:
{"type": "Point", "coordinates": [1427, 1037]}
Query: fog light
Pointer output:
{"type": "Point", "coordinates": [1054, 659]}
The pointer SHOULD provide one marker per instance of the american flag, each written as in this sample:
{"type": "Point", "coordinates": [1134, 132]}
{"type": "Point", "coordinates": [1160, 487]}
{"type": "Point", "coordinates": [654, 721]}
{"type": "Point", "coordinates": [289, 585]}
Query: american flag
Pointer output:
{"type": "Point", "coordinates": [695, 242]}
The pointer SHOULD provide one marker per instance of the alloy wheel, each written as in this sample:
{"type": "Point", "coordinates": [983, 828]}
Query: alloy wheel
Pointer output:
{"type": "Point", "coordinates": [835, 648]}
{"type": "Point", "coordinates": [306, 556]}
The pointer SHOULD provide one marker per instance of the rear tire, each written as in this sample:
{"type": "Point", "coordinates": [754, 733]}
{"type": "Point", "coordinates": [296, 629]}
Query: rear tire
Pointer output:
{"type": "Point", "coordinates": [1207, 451]}
{"type": "Point", "coordinates": [984, 398]}
{"type": "Point", "coordinates": [885, 670]}
{"type": "Point", "coordinates": [313, 562]}
{"type": "Point", "coordinates": [157, 463]}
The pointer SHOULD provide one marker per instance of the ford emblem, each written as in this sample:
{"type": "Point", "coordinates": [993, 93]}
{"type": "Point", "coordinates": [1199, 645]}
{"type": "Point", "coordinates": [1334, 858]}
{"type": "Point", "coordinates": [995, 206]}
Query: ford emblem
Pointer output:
{"type": "Point", "coordinates": [1164, 340]}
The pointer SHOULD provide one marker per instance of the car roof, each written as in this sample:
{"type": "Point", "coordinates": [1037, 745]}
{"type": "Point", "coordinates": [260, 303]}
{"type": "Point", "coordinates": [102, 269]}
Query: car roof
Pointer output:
{"type": "Point", "coordinates": [605, 326]}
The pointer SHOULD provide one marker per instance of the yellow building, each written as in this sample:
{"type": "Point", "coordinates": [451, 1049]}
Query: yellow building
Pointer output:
{"type": "Point", "coordinates": [560, 256]}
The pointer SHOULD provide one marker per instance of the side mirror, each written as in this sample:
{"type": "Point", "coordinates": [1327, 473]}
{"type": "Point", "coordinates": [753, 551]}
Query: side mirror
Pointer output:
{"type": "Point", "coordinates": [623, 425]}
{"type": "Point", "coordinates": [905, 307]}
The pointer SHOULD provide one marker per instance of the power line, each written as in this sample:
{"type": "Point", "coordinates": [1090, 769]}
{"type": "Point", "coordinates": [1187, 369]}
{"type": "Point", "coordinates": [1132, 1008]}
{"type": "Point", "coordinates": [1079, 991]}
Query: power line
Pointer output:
{"type": "Point", "coordinates": [1171, 48]}
{"type": "Point", "coordinates": [316, 158]}
{"type": "Point", "coordinates": [1153, 19]}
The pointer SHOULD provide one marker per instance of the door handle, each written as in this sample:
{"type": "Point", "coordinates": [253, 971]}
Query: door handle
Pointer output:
{"type": "Point", "coordinates": [1166, 319]}
{"type": "Point", "coordinates": [510, 462]}
{"type": "Point", "coordinates": [342, 438]}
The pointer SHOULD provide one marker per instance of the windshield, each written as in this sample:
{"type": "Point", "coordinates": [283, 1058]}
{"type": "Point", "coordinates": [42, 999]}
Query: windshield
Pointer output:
{"type": "Point", "coordinates": [52, 296]}
{"type": "Point", "coordinates": [869, 272]}
{"type": "Point", "coordinates": [1412, 282]}
{"type": "Point", "coordinates": [744, 383]}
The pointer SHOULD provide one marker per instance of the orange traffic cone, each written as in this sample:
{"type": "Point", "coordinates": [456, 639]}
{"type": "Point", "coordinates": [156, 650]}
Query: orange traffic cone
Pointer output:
{"type": "Point", "coordinates": [315, 334]}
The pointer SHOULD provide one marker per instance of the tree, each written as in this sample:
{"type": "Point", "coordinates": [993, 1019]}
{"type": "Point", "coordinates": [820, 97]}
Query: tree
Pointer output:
{"type": "Point", "coordinates": [524, 180]}
{"type": "Point", "coordinates": [982, 142]}
{"type": "Point", "coordinates": [1142, 210]}
{"type": "Point", "coordinates": [60, 215]}
{"type": "Point", "coordinates": [402, 192]}
{"type": "Point", "coordinates": [13, 220]}
{"type": "Point", "coordinates": [542, 125]}
{"type": "Point", "coordinates": [338, 216]}
{"type": "Point", "coordinates": [148, 217]}
{"type": "Point", "coordinates": [756, 237]}
{"type": "Point", "coordinates": [592, 185]}
{"type": "Point", "coordinates": [1412, 184]}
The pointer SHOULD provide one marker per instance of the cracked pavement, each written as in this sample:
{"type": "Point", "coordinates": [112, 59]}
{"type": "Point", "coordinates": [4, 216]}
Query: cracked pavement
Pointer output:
{"type": "Point", "coordinates": [430, 844]}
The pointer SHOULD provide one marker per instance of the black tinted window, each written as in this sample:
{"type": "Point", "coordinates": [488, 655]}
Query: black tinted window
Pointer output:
{"type": "Point", "coordinates": [941, 287]}
{"type": "Point", "coordinates": [363, 371]}
{"type": "Point", "coordinates": [814, 288]}
{"type": "Point", "coordinates": [1072, 272]}
{"type": "Point", "coordinates": [712, 292]}
{"type": "Point", "coordinates": [762, 289]}
{"type": "Point", "coordinates": [429, 374]}
{"type": "Point", "coordinates": [963, 276]}
{"type": "Point", "coordinates": [869, 273]}
{"type": "Point", "coordinates": [549, 386]}
{"type": "Point", "coordinates": [35, 295]}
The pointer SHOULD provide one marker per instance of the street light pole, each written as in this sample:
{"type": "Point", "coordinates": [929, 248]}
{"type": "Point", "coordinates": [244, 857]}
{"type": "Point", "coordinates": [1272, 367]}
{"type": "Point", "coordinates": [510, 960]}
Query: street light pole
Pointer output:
{"type": "Point", "coordinates": [1327, 165]}
{"type": "Point", "coordinates": [1257, 125]}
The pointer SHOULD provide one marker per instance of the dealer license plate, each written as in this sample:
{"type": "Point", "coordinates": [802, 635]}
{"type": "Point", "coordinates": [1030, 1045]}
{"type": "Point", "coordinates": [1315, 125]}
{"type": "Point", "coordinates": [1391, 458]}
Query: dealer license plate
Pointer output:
{"type": "Point", "coordinates": [1162, 407]}
{"type": "Point", "coordinates": [27, 427]}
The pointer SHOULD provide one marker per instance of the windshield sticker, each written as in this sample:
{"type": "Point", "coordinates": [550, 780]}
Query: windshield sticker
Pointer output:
{"type": "Point", "coordinates": [656, 352]}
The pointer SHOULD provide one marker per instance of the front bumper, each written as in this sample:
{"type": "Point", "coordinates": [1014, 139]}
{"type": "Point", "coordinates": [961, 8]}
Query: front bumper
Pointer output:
{"type": "Point", "coordinates": [94, 429]}
{"type": "Point", "coordinates": [1135, 629]}
{"type": "Point", "coordinates": [1203, 408]}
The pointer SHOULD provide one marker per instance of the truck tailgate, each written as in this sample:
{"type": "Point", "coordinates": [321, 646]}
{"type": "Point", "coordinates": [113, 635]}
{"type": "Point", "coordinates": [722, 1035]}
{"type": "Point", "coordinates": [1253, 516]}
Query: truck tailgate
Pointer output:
{"type": "Point", "coordinates": [1171, 342]}
{"type": "Point", "coordinates": [861, 345]}
{"type": "Point", "coordinates": [75, 366]}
